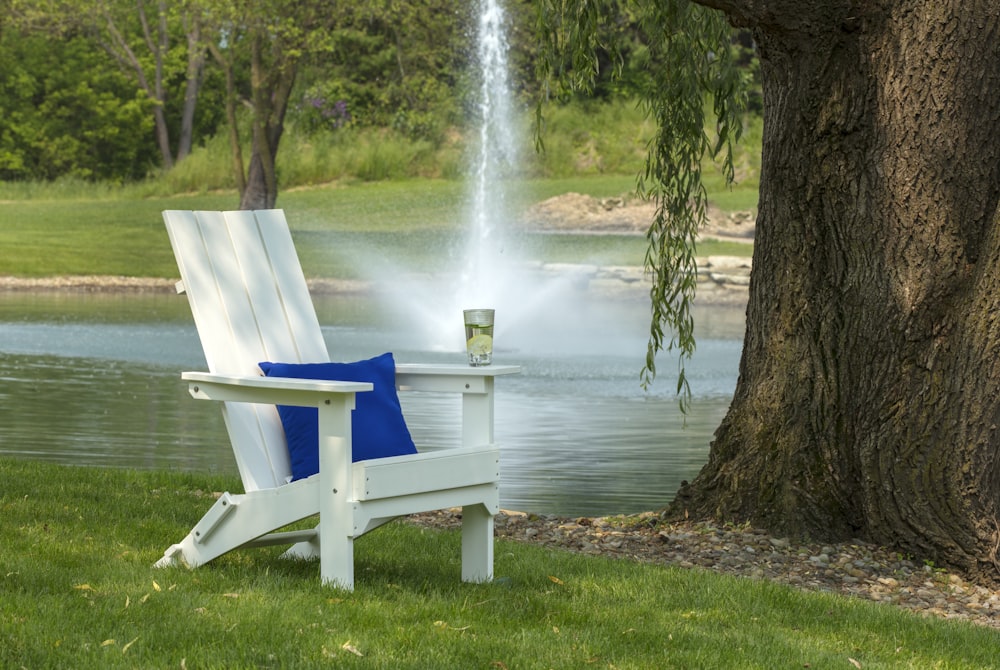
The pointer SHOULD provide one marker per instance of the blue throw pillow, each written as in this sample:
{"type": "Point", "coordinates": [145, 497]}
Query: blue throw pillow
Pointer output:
{"type": "Point", "coordinates": [377, 425]}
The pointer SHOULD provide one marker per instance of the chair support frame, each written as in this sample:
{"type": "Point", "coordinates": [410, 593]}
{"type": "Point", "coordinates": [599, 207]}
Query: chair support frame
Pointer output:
{"type": "Point", "coordinates": [350, 498]}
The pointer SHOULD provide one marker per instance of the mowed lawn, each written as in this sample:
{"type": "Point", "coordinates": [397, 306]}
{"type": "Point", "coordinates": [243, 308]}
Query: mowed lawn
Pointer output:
{"type": "Point", "coordinates": [405, 223]}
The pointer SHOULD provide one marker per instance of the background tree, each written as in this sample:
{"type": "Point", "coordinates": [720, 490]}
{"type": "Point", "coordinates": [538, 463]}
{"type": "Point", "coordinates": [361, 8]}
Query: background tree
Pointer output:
{"type": "Point", "coordinates": [398, 65]}
{"type": "Point", "coordinates": [867, 403]}
{"type": "Point", "coordinates": [274, 38]}
{"type": "Point", "coordinates": [157, 44]}
{"type": "Point", "coordinates": [141, 38]}
{"type": "Point", "coordinates": [63, 114]}
{"type": "Point", "coordinates": [359, 72]}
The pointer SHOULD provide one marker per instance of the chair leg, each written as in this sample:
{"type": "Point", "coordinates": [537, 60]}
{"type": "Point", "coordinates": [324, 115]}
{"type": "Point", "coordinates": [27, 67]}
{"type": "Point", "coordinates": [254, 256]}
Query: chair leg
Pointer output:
{"type": "Point", "coordinates": [477, 544]}
{"type": "Point", "coordinates": [336, 507]}
{"type": "Point", "coordinates": [337, 561]}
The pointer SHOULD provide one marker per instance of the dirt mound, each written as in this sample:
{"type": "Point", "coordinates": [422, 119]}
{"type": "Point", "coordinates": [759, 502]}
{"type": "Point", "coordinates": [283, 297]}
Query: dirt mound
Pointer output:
{"type": "Point", "coordinates": [578, 213]}
{"type": "Point", "coordinates": [574, 212]}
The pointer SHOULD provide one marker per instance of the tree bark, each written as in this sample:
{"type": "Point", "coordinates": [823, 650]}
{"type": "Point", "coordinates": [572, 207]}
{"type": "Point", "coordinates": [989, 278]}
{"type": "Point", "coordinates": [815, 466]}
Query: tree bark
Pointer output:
{"type": "Point", "coordinates": [869, 391]}
{"type": "Point", "coordinates": [271, 85]}
{"type": "Point", "coordinates": [192, 85]}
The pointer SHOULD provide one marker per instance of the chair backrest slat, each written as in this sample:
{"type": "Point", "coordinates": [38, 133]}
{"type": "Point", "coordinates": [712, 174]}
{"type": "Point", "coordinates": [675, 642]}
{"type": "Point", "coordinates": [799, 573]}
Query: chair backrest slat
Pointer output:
{"type": "Point", "coordinates": [250, 303]}
{"type": "Point", "coordinates": [303, 330]}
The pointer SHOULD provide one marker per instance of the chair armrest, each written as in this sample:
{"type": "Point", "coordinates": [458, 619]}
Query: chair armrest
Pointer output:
{"type": "Point", "coordinates": [450, 378]}
{"type": "Point", "coordinates": [475, 385]}
{"type": "Point", "coordinates": [269, 390]}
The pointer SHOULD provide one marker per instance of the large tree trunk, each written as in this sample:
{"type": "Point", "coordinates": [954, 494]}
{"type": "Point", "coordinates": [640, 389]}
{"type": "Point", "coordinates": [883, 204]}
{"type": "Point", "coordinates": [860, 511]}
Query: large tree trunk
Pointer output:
{"type": "Point", "coordinates": [868, 401]}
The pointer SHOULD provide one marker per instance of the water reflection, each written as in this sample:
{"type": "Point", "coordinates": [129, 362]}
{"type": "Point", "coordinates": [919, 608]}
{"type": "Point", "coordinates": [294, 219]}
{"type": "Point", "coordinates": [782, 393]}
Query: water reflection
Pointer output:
{"type": "Point", "coordinates": [85, 411]}
{"type": "Point", "coordinates": [93, 379]}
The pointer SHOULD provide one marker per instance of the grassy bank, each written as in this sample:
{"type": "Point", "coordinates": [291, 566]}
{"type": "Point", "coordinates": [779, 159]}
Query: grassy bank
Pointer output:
{"type": "Point", "coordinates": [404, 223]}
{"type": "Point", "coordinates": [76, 546]}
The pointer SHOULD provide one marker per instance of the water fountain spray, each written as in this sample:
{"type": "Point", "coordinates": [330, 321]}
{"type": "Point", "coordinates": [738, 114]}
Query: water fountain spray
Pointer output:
{"type": "Point", "coordinates": [532, 310]}
{"type": "Point", "coordinates": [496, 160]}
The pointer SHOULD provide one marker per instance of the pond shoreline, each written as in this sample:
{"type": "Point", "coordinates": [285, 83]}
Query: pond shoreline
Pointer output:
{"type": "Point", "coordinates": [722, 281]}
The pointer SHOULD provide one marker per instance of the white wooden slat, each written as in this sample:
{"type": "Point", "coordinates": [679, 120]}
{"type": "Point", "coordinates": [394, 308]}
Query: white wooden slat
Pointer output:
{"type": "Point", "coordinates": [439, 470]}
{"type": "Point", "coordinates": [457, 369]}
{"type": "Point", "coordinates": [449, 378]}
{"type": "Point", "coordinates": [373, 513]}
{"type": "Point", "coordinates": [256, 273]}
{"type": "Point", "coordinates": [255, 430]}
{"type": "Point", "coordinates": [252, 323]}
{"type": "Point", "coordinates": [270, 275]}
{"type": "Point", "coordinates": [308, 391]}
{"type": "Point", "coordinates": [195, 268]}
{"type": "Point", "coordinates": [245, 344]}
{"type": "Point", "coordinates": [185, 233]}
{"type": "Point", "coordinates": [204, 253]}
{"type": "Point", "coordinates": [299, 315]}
{"type": "Point", "coordinates": [299, 310]}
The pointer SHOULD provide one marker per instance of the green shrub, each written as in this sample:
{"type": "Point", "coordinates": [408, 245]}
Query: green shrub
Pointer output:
{"type": "Point", "coordinates": [580, 140]}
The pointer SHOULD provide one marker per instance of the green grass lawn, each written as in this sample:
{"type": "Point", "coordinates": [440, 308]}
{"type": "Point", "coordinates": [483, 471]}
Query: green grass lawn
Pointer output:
{"type": "Point", "coordinates": [78, 591]}
{"type": "Point", "coordinates": [401, 222]}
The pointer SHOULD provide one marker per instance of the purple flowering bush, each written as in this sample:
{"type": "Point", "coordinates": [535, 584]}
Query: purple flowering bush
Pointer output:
{"type": "Point", "coordinates": [319, 111]}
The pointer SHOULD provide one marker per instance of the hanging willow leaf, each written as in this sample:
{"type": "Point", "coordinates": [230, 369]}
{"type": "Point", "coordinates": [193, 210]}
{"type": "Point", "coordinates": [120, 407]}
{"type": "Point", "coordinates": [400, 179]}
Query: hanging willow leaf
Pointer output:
{"type": "Point", "coordinates": [689, 64]}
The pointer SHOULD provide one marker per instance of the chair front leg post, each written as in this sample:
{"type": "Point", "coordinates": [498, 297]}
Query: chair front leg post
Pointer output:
{"type": "Point", "coordinates": [477, 544]}
{"type": "Point", "coordinates": [336, 518]}
{"type": "Point", "coordinates": [477, 520]}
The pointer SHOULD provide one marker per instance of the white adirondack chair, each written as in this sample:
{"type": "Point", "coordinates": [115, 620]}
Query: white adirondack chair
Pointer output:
{"type": "Point", "coordinates": [250, 304]}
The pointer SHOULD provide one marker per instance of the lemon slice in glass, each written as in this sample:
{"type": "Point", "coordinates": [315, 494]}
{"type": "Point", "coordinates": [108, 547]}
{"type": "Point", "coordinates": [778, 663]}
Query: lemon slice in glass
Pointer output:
{"type": "Point", "coordinates": [480, 344]}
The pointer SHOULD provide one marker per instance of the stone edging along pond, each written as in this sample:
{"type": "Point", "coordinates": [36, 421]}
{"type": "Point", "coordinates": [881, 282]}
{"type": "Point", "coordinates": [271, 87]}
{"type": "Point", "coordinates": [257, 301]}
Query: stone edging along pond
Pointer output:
{"type": "Point", "coordinates": [722, 280]}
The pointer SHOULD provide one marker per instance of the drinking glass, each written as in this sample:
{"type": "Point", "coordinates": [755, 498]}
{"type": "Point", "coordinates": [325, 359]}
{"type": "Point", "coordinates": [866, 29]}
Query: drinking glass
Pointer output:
{"type": "Point", "coordinates": [479, 336]}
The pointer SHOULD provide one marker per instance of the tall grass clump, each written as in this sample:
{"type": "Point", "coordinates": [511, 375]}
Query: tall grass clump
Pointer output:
{"type": "Point", "coordinates": [320, 157]}
{"type": "Point", "coordinates": [64, 188]}
{"type": "Point", "coordinates": [382, 155]}
{"type": "Point", "coordinates": [314, 158]}
{"type": "Point", "coordinates": [207, 168]}
{"type": "Point", "coordinates": [582, 138]}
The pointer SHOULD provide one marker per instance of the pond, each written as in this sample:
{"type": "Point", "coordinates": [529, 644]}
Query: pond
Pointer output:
{"type": "Point", "coordinates": [94, 379]}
